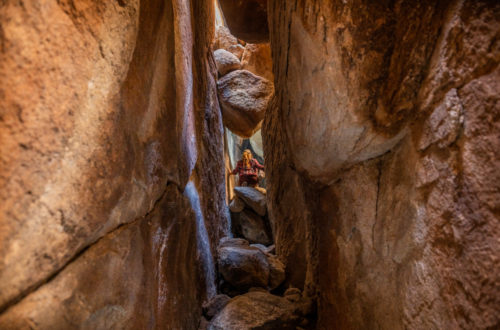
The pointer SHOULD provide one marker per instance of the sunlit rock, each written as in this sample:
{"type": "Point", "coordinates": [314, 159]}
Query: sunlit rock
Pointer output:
{"type": "Point", "coordinates": [226, 61]}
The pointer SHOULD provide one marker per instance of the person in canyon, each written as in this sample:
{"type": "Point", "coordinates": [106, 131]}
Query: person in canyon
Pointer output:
{"type": "Point", "coordinates": [247, 169]}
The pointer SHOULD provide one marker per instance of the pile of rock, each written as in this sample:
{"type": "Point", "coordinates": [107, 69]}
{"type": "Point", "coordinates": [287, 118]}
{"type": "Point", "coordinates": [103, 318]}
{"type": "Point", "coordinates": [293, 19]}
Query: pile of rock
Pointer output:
{"type": "Point", "coordinates": [249, 272]}
{"type": "Point", "coordinates": [249, 215]}
{"type": "Point", "coordinates": [243, 95]}
{"type": "Point", "coordinates": [252, 275]}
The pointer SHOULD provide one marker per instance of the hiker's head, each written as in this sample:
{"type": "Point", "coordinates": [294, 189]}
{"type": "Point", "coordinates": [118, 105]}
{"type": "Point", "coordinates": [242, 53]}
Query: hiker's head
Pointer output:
{"type": "Point", "coordinates": [247, 156]}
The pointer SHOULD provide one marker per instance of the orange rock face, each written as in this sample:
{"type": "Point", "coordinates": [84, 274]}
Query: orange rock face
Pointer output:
{"type": "Point", "coordinates": [257, 59]}
{"type": "Point", "coordinates": [380, 160]}
{"type": "Point", "coordinates": [103, 104]}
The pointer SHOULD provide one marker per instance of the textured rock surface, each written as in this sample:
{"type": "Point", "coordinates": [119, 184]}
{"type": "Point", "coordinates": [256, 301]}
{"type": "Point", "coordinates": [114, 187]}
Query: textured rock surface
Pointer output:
{"type": "Point", "coordinates": [120, 282]}
{"type": "Point", "coordinates": [244, 98]}
{"type": "Point", "coordinates": [398, 235]}
{"type": "Point", "coordinates": [237, 50]}
{"type": "Point", "coordinates": [257, 59]}
{"type": "Point", "coordinates": [100, 104]}
{"type": "Point", "coordinates": [224, 39]}
{"type": "Point", "coordinates": [243, 266]}
{"type": "Point", "coordinates": [256, 310]}
{"type": "Point", "coordinates": [247, 19]}
{"type": "Point", "coordinates": [253, 198]}
{"type": "Point", "coordinates": [226, 61]}
{"type": "Point", "coordinates": [236, 205]}
{"type": "Point", "coordinates": [253, 227]}
{"type": "Point", "coordinates": [276, 271]}
{"type": "Point", "coordinates": [215, 305]}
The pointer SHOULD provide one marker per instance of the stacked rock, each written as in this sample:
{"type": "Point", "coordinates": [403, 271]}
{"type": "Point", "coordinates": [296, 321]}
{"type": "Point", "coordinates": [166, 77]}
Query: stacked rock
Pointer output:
{"type": "Point", "coordinates": [249, 215]}
{"type": "Point", "coordinates": [243, 95]}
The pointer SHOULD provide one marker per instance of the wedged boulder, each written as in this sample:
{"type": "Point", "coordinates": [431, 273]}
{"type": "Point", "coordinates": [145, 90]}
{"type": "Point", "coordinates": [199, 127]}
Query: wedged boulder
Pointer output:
{"type": "Point", "coordinates": [253, 227]}
{"type": "Point", "coordinates": [243, 266]}
{"type": "Point", "coordinates": [257, 59]}
{"type": "Point", "coordinates": [253, 198]}
{"type": "Point", "coordinates": [223, 38]}
{"type": "Point", "coordinates": [244, 98]}
{"type": "Point", "coordinates": [236, 205]}
{"type": "Point", "coordinates": [226, 61]}
{"type": "Point", "coordinates": [214, 305]}
{"type": "Point", "coordinates": [256, 310]}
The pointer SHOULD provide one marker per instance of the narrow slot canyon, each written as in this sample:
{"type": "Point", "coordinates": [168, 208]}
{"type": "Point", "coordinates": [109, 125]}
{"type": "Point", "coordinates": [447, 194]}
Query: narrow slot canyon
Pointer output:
{"type": "Point", "coordinates": [250, 164]}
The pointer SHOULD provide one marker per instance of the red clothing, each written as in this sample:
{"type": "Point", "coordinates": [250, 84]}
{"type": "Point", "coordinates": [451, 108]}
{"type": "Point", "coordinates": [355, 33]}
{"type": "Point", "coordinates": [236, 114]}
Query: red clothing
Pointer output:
{"type": "Point", "coordinates": [252, 170]}
{"type": "Point", "coordinates": [248, 174]}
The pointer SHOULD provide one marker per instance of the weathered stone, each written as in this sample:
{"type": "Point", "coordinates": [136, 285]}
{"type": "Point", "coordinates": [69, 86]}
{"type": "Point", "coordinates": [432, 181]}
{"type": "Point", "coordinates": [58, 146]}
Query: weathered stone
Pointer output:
{"type": "Point", "coordinates": [244, 98]}
{"type": "Point", "coordinates": [97, 122]}
{"type": "Point", "coordinates": [276, 271]}
{"type": "Point", "coordinates": [256, 310]}
{"type": "Point", "coordinates": [293, 295]}
{"type": "Point", "coordinates": [223, 38]}
{"type": "Point", "coordinates": [232, 242]}
{"type": "Point", "coordinates": [243, 266]}
{"type": "Point", "coordinates": [253, 227]}
{"type": "Point", "coordinates": [443, 125]}
{"type": "Point", "coordinates": [204, 324]}
{"type": "Point", "coordinates": [247, 19]}
{"type": "Point", "coordinates": [257, 59]}
{"type": "Point", "coordinates": [236, 205]}
{"type": "Point", "coordinates": [111, 283]}
{"type": "Point", "coordinates": [215, 305]}
{"type": "Point", "coordinates": [253, 198]}
{"type": "Point", "coordinates": [226, 61]}
{"type": "Point", "coordinates": [397, 105]}
{"type": "Point", "coordinates": [236, 50]}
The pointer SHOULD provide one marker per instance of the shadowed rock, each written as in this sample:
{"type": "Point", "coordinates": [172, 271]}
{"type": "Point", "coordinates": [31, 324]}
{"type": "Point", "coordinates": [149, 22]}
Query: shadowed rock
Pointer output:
{"type": "Point", "coordinates": [214, 305]}
{"type": "Point", "coordinates": [243, 266]}
{"type": "Point", "coordinates": [244, 98]}
{"type": "Point", "coordinates": [253, 198]}
{"type": "Point", "coordinates": [253, 228]}
{"type": "Point", "coordinates": [256, 310]}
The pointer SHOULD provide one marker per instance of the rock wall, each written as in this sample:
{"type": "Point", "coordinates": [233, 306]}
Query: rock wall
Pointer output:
{"type": "Point", "coordinates": [108, 110]}
{"type": "Point", "coordinates": [382, 170]}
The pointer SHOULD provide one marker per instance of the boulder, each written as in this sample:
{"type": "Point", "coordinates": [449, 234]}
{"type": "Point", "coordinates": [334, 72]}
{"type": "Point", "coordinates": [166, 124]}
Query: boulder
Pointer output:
{"type": "Point", "coordinates": [243, 266]}
{"type": "Point", "coordinates": [253, 198]}
{"type": "Point", "coordinates": [276, 271]}
{"type": "Point", "coordinates": [244, 98]}
{"type": "Point", "coordinates": [247, 19]}
{"type": "Point", "coordinates": [257, 59]}
{"type": "Point", "coordinates": [236, 205]}
{"type": "Point", "coordinates": [237, 50]}
{"type": "Point", "coordinates": [214, 305]}
{"type": "Point", "coordinates": [256, 310]}
{"type": "Point", "coordinates": [232, 242]}
{"type": "Point", "coordinates": [253, 228]}
{"type": "Point", "coordinates": [226, 61]}
{"type": "Point", "coordinates": [224, 39]}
